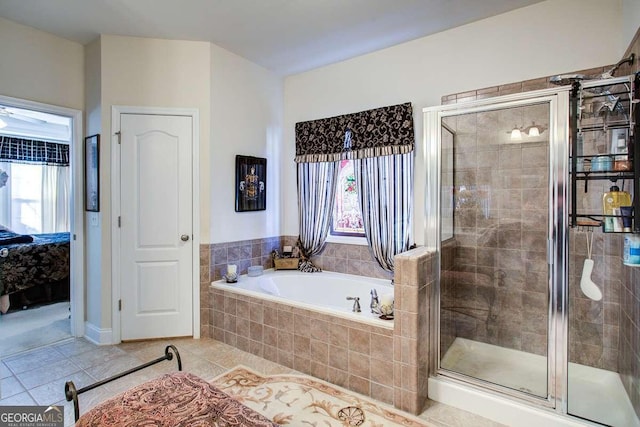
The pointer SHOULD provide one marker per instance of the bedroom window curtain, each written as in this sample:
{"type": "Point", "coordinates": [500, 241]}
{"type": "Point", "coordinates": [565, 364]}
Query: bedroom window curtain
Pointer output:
{"type": "Point", "coordinates": [55, 199]}
{"type": "Point", "coordinates": [5, 194]}
{"type": "Point", "coordinates": [381, 143]}
{"type": "Point", "coordinates": [20, 150]}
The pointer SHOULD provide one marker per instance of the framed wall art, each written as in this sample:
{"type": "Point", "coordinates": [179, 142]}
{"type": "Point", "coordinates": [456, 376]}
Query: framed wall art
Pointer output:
{"type": "Point", "coordinates": [92, 173]}
{"type": "Point", "coordinates": [251, 183]}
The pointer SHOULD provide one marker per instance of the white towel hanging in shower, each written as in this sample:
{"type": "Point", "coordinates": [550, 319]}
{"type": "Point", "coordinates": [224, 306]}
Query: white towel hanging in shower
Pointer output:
{"type": "Point", "coordinates": [587, 286]}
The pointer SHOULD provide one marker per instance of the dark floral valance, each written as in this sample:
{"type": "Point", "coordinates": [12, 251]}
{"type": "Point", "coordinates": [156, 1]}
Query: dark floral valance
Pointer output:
{"type": "Point", "coordinates": [18, 150]}
{"type": "Point", "coordinates": [371, 133]}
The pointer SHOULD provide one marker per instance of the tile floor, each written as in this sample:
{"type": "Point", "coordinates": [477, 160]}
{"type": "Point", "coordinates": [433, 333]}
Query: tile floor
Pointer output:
{"type": "Point", "coordinates": [37, 377]}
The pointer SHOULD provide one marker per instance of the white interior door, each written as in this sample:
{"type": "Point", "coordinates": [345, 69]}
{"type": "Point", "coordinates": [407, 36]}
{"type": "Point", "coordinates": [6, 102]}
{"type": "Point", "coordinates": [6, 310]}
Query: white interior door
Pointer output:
{"type": "Point", "coordinates": [156, 226]}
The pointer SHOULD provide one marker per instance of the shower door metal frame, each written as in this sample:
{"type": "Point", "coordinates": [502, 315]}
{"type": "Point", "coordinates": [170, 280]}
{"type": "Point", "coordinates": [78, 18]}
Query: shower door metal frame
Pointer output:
{"type": "Point", "coordinates": [557, 250]}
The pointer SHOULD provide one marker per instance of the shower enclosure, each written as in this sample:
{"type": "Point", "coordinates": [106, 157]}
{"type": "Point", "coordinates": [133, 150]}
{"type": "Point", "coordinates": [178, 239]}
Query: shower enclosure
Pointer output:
{"type": "Point", "coordinates": [508, 316]}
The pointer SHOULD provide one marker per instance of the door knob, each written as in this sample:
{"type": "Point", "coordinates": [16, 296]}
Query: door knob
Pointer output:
{"type": "Point", "coordinates": [184, 237]}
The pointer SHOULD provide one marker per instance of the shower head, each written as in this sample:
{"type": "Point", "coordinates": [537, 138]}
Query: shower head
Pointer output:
{"type": "Point", "coordinates": [609, 73]}
{"type": "Point", "coordinates": [566, 79]}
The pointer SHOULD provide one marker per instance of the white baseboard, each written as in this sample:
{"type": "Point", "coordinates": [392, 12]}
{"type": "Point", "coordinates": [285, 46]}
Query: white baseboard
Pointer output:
{"type": "Point", "coordinates": [97, 335]}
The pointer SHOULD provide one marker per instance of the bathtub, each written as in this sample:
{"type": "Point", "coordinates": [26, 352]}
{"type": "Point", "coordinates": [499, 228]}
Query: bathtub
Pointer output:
{"type": "Point", "coordinates": [323, 292]}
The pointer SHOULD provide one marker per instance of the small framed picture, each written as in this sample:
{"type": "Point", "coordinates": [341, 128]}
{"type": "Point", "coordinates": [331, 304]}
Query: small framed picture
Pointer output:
{"type": "Point", "coordinates": [92, 173]}
{"type": "Point", "coordinates": [251, 183]}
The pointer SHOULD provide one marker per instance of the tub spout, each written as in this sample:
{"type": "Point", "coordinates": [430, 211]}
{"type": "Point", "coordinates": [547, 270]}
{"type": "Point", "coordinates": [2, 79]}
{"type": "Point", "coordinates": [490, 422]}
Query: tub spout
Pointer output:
{"type": "Point", "coordinates": [375, 303]}
{"type": "Point", "coordinates": [356, 304]}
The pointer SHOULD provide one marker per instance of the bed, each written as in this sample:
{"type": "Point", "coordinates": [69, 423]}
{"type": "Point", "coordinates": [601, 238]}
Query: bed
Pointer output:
{"type": "Point", "coordinates": [38, 263]}
{"type": "Point", "coordinates": [175, 399]}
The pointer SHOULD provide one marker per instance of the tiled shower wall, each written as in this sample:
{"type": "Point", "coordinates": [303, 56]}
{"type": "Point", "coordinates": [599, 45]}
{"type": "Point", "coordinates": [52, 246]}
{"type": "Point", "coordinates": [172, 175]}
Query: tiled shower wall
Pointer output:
{"type": "Point", "coordinates": [341, 258]}
{"type": "Point", "coordinates": [606, 333]}
{"type": "Point", "coordinates": [630, 335]}
{"type": "Point", "coordinates": [630, 294]}
{"type": "Point", "coordinates": [497, 288]}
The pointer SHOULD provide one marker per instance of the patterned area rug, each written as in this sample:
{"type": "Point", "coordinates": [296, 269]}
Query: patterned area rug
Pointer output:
{"type": "Point", "coordinates": [299, 400]}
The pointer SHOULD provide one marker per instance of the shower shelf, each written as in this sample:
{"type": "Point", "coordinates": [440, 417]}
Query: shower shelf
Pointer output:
{"type": "Point", "coordinates": [579, 93]}
{"type": "Point", "coordinates": [612, 176]}
{"type": "Point", "coordinates": [592, 221]}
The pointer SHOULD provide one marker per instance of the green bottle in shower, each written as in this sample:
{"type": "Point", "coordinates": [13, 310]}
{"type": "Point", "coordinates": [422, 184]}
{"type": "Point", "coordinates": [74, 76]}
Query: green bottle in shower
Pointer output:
{"type": "Point", "coordinates": [611, 202]}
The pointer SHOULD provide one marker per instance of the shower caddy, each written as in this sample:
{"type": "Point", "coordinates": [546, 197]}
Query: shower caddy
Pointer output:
{"type": "Point", "coordinates": [583, 94]}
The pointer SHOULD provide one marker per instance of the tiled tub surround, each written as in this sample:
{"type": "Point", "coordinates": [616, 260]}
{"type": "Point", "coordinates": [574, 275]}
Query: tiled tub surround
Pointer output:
{"type": "Point", "coordinates": [214, 259]}
{"type": "Point", "coordinates": [348, 259]}
{"type": "Point", "coordinates": [338, 257]}
{"type": "Point", "coordinates": [341, 258]}
{"type": "Point", "coordinates": [603, 334]}
{"type": "Point", "coordinates": [387, 363]}
{"type": "Point", "coordinates": [351, 354]}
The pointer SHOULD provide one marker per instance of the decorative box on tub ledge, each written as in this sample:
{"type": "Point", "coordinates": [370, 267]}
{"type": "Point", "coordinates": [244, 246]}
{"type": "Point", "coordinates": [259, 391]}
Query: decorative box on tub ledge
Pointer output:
{"type": "Point", "coordinates": [286, 263]}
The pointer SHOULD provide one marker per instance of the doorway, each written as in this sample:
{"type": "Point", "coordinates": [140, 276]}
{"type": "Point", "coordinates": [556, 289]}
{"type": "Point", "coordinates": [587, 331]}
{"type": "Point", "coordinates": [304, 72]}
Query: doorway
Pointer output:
{"type": "Point", "coordinates": [41, 161]}
{"type": "Point", "coordinates": [156, 250]}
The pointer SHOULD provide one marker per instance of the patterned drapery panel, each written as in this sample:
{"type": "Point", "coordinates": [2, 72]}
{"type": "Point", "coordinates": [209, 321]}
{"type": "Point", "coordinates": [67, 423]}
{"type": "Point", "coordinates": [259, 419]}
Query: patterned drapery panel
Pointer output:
{"type": "Point", "coordinates": [316, 197]}
{"type": "Point", "coordinates": [19, 150]}
{"type": "Point", "coordinates": [371, 133]}
{"type": "Point", "coordinates": [385, 189]}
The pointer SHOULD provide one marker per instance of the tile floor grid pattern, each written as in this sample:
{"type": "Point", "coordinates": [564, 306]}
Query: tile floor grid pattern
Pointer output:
{"type": "Point", "coordinates": [84, 363]}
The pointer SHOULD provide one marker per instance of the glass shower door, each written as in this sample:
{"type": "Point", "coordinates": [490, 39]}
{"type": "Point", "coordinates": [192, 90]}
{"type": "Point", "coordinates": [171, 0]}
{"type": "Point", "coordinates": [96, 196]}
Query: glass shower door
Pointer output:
{"type": "Point", "coordinates": [495, 197]}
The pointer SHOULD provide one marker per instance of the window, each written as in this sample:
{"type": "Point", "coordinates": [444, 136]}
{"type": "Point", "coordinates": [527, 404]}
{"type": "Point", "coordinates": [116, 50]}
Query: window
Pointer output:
{"type": "Point", "coordinates": [35, 198]}
{"type": "Point", "coordinates": [25, 203]}
{"type": "Point", "coordinates": [347, 218]}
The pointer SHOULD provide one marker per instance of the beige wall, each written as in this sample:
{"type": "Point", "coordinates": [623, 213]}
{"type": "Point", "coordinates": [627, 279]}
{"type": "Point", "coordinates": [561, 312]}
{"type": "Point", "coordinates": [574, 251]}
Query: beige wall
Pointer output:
{"type": "Point", "coordinates": [246, 119]}
{"type": "Point", "coordinates": [630, 20]}
{"type": "Point", "coordinates": [547, 38]}
{"type": "Point", "coordinates": [240, 107]}
{"type": "Point", "coordinates": [93, 125]}
{"type": "Point", "coordinates": [41, 67]}
{"type": "Point", "coordinates": [149, 73]}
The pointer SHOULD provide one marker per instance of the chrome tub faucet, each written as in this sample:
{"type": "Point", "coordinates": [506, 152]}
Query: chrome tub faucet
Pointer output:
{"type": "Point", "coordinates": [356, 304]}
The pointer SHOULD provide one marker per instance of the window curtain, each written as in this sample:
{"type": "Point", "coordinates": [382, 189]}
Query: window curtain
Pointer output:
{"type": "Point", "coordinates": [372, 133]}
{"type": "Point", "coordinates": [316, 197]}
{"type": "Point", "coordinates": [20, 150]}
{"type": "Point", "coordinates": [385, 191]}
{"type": "Point", "coordinates": [5, 194]}
{"type": "Point", "coordinates": [381, 141]}
{"type": "Point", "coordinates": [55, 199]}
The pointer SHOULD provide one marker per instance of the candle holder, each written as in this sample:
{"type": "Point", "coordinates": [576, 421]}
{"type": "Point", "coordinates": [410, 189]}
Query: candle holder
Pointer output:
{"type": "Point", "coordinates": [230, 274]}
{"type": "Point", "coordinates": [233, 278]}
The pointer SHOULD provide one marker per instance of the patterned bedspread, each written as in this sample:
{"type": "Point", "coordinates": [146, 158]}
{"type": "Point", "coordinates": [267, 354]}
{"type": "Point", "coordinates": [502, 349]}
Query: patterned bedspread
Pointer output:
{"type": "Point", "coordinates": [24, 265]}
{"type": "Point", "coordinates": [178, 400]}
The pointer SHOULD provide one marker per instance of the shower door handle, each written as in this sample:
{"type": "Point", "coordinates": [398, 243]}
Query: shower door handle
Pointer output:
{"type": "Point", "coordinates": [550, 260]}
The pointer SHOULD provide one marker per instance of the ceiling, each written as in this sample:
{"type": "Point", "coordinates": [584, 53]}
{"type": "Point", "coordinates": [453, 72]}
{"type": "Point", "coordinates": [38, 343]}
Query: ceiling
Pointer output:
{"type": "Point", "coordinates": [284, 36]}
